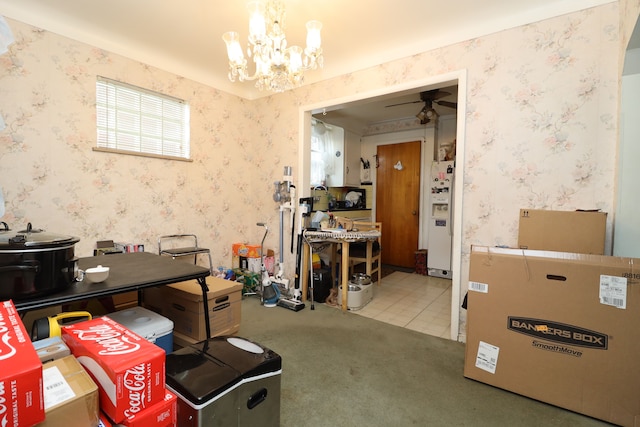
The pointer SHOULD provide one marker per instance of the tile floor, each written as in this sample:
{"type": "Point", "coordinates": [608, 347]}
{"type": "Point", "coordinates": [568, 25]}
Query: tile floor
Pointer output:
{"type": "Point", "coordinates": [413, 301]}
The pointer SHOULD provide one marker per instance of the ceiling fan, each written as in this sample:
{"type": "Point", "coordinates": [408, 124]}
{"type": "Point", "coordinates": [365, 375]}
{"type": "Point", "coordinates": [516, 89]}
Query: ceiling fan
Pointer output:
{"type": "Point", "coordinates": [431, 96]}
{"type": "Point", "coordinates": [427, 113]}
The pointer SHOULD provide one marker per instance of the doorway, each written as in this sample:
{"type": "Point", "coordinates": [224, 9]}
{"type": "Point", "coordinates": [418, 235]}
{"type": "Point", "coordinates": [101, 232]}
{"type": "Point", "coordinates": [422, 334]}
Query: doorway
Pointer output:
{"type": "Point", "coordinates": [398, 201]}
{"type": "Point", "coordinates": [458, 78]}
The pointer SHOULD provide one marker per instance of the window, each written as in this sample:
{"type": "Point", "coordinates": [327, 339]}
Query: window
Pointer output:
{"type": "Point", "coordinates": [323, 146]}
{"type": "Point", "coordinates": [133, 120]}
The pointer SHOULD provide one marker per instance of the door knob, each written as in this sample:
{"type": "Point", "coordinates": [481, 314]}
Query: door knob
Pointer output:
{"type": "Point", "coordinates": [414, 213]}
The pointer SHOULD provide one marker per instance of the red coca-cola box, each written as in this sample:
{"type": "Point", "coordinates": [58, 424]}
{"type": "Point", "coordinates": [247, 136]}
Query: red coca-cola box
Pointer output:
{"type": "Point", "coordinates": [163, 414]}
{"type": "Point", "coordinates": [104, 421]}
{"type": "Point", "coordinates": [128, 369]}
{"type": "Point", "coordinates": [21, 393]}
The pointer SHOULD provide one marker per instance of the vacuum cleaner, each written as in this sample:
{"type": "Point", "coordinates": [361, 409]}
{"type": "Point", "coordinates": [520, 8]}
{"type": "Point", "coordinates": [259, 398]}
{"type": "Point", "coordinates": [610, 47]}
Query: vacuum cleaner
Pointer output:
{"type": "Point", "coordinates": [284, 193]}
{"type": "Point", "coordinates": [270, 293]}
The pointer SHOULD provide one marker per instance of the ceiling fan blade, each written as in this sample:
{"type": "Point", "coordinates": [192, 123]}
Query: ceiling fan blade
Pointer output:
{"type": "Point", "coordinates": [403, 103]}
{"type": "Point", "coordinates": [449, 104]}
{"type": "Point", "coordinates": [433, 94]}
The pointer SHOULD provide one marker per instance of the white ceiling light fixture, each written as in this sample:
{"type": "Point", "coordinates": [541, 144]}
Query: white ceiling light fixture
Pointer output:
{"type": "Point", "coordinates": [278, 67]}
{"type": "Point", "coordinates": [427, 114]}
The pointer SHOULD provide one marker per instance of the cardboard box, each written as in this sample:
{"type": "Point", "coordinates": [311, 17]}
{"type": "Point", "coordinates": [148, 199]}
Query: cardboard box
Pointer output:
{"type": "Point", "coordinates": [104, 421]}
{"type": "Point", "coordinates": [21, 395]}
{"type": "Point", "coordinates": [246, 250]}
{"type": "Point", "coordinates": [70, 395]}
{"type": "Point", "coordinates": [128, 369]}
{"type": "Point", "coordinates": [582, 232]}
{"type": "Point", "coordinates": [558, 327]}
{"type": "Point", "coordinates": [125, 300]}
{"type": "Point", "coordinates": [251, 281]}
{"type": "Point", "coordinates": [183, 304]}
{"type": "Point", "coordinates": [51, 348]}
{"type": "Point", "coordinates": [162, 414]}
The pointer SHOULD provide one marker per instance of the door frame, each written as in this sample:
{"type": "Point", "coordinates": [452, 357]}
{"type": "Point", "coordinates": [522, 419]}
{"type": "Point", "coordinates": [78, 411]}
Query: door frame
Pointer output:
{"type": "Point", "coordinates": [459, 78]}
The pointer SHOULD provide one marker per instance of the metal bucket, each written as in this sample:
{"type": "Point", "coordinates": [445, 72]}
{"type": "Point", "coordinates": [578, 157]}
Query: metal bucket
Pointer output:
{"type": "Point", "coordinates": [360, 279]}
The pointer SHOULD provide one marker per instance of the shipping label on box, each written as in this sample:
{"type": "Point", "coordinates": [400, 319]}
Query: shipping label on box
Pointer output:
{"type": "Point", "coordinates": [128, 369]}
{"type": "Point", "coordinates": [21, 393]}
{"type": "Point", "coordinates": [558, 327]}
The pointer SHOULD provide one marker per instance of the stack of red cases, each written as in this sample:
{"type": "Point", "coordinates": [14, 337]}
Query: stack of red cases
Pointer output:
{"type": "Point", "coordinates": [21, 394]}
{"type": "Point", "coordinates": [128, 369]}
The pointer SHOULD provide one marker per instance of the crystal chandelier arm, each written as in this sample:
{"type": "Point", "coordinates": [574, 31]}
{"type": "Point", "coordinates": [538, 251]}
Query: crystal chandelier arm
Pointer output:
{"type": "Point", "coordinates": [278, 67]}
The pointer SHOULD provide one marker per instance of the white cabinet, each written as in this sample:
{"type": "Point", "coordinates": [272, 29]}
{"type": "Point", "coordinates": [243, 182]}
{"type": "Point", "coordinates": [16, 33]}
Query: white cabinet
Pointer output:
{"type": "Point", "coordinates": [346, 158]}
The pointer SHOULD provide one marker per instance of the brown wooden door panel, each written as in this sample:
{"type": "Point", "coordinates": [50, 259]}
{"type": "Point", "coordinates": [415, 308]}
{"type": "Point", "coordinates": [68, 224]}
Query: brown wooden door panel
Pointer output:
{"type": "Point", "coordinates": [398, 201]}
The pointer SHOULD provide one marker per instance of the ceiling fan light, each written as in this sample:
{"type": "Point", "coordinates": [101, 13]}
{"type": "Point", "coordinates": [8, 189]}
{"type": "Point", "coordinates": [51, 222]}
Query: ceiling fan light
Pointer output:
{"type": "Point", "coordinates": [422, 114]}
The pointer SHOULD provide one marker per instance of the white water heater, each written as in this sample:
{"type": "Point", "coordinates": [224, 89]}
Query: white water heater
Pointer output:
{"type": "Point", "coordinates": [440, 219]}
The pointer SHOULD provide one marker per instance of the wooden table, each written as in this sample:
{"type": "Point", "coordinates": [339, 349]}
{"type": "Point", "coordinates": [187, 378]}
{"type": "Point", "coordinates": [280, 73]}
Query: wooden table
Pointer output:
{"type": "Point", "coordinates": [127, 272]}
{"type": "Point", "coordinates": [344, 239]}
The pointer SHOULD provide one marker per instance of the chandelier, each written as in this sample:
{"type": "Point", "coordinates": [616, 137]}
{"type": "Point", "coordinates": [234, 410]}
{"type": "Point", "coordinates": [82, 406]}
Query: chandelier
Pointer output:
{"type": "Point", "coordinates": [277, 67]}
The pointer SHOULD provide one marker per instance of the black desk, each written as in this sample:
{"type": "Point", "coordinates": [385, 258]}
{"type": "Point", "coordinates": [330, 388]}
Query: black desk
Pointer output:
{"type": "Point", "coordinates": [127, 272]}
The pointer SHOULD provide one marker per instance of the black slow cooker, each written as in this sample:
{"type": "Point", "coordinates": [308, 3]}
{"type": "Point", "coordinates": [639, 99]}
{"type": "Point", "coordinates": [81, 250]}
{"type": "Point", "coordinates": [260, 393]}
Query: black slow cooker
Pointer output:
{"type": "Point", "coordinates": [34, 262]}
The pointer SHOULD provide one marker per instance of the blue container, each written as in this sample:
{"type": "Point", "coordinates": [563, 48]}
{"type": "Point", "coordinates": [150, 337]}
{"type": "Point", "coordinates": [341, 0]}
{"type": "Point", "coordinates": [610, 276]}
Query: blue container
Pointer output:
{"type": "Point", "coordinates": [148, 324]}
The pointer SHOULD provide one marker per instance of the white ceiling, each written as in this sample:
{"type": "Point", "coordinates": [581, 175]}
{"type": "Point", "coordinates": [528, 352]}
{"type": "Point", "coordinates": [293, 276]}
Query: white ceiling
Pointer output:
{"type": "Point", "coordinates": [184, 36]}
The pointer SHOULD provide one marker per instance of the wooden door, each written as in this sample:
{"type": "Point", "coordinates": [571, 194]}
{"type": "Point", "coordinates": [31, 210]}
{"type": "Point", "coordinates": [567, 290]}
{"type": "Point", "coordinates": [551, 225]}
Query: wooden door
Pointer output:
{"type": "Point", "coordinates": [398, 201]}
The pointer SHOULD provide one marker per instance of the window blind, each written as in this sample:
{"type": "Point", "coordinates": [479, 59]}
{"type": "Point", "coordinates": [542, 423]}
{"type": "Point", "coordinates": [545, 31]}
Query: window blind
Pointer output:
{"type": "Point", "coordinates": [137, 120]}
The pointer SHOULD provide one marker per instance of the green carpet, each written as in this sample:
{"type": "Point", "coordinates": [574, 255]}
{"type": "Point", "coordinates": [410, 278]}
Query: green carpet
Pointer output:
{"type": "Point", "coordinates": [341, 369]}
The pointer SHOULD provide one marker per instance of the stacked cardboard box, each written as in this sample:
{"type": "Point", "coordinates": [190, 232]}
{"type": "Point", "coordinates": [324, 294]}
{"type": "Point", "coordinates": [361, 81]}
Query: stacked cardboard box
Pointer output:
{"type": "Point", "coordinates": [128, 370]}
{"type": "Point", "coordinates": [162, 414]}
{"type": "Point", "coordinates": [556, 326]}
{"type": "Point", "coordinates": [21, 392]}
{"type": "Point", "coordinates": [581, 232]}
{"type": "Point", "coordinates": [246, 256]}
{"type": "Point", "coordinates": [71, 396]}
{"type": "Point", "coordinates": [183, 304]}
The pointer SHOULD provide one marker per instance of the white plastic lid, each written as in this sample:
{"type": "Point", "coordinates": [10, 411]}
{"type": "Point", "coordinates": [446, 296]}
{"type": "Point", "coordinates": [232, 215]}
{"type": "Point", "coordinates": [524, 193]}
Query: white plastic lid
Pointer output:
{"type": "Point", "coordinates": [146, 323]}
{"type": "Point", "coordinates": [245, 345]}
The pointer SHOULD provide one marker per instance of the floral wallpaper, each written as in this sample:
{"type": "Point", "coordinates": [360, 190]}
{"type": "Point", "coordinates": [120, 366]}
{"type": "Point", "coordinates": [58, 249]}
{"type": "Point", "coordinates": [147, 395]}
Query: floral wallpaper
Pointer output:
{"type": "Point", "coordinates": [541, 132]}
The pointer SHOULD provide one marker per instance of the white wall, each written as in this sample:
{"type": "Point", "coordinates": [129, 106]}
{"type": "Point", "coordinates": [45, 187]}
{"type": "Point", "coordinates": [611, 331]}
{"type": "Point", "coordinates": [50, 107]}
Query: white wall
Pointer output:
{"type": "Point", "coordinates": [626, 238]}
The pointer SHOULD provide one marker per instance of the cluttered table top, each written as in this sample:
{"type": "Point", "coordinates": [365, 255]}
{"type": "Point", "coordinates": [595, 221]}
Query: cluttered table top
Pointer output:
{"type": "Point", "coordinates": [128, 272]}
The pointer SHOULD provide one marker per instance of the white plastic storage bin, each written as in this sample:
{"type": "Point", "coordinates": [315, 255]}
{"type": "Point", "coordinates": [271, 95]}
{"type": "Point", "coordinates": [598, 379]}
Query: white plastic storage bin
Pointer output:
{"type": "Point", "coordinates": [357, 295]}
{"type": "Point", "coordinates": [148, 324]}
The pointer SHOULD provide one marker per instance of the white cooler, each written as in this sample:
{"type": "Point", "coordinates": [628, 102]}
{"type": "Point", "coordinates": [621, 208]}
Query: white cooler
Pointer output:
{"type": "Point", "coordinates": [148, 324]}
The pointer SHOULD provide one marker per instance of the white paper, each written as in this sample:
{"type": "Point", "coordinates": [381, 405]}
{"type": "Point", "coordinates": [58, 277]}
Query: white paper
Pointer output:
{"type": "Point", "coordinates": [479, 287]}
{"type": "Point", "coordinates": [613, 291]}
{"type": "Point", "coordinates": [56, 388]}
{"type": "Point", "coordinates": [487, 357]}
